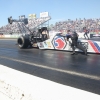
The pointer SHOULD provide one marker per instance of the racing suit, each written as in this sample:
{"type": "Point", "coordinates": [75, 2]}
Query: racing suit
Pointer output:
{"type": "Point", "coordinates": [74, 44]}
{"type": "Point", "coordinates": [86, 33]}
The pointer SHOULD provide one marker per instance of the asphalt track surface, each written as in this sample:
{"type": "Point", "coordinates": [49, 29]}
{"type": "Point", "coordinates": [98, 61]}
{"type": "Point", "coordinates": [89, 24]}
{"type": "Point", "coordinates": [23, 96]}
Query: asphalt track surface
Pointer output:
{"type": "Point", "coordinates": [79, 71]}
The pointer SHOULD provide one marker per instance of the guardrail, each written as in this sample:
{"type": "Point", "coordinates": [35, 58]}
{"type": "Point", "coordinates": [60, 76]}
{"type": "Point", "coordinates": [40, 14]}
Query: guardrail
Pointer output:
{"type": "Point", "coordinates": [9, 36]}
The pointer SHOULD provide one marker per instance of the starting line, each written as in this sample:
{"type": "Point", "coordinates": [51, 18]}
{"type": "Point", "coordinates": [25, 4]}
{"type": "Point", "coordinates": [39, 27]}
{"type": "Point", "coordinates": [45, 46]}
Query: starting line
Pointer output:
{"type": "Point", "coordinates": [21, 86]}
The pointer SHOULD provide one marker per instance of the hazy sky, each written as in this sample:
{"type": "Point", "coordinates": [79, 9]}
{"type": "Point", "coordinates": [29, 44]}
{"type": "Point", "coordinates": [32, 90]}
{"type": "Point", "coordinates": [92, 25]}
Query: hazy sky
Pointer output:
{"type": "Point", "coordinates": [58, 9]}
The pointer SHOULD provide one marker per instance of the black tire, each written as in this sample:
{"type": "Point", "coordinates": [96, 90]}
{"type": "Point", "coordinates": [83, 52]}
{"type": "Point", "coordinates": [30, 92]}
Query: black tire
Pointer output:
{"type": "Point", "coordinates": [23, 42]}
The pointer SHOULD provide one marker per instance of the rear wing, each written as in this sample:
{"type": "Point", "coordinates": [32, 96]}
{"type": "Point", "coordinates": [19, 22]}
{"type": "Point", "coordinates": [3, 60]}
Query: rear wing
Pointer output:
{"type": "Point", "coordinates": [22, 26]}
{"type": "Point", "coordinates": [24, 20]}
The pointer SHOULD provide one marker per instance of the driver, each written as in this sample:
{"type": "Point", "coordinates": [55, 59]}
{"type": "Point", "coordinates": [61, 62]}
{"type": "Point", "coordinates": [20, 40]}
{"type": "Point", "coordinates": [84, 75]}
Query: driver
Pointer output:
{"type": "Point", "coordinates": [45, 35]}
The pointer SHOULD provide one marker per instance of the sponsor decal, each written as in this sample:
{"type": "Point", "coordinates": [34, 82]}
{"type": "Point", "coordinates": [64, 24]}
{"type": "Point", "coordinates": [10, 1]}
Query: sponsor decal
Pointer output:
{"type": "Point", "coordinates": [59, 42]}
{"type": "Point", "coordinates": [83, 44]}
{"type": "Point", "coordinates": [95, 46]}
{"type": "Point", "coordinates": [94, 35]}
{"type": "Point", "coordinates": [45, 44]}
{"type": "Point", "coordinates": [41, 45]}
{"type": "Point", "coordinates": [49, 44]}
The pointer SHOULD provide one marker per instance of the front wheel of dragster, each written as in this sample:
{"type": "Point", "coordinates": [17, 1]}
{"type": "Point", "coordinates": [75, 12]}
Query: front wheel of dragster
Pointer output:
{"type": "Point", "coordinates": [23, 42]}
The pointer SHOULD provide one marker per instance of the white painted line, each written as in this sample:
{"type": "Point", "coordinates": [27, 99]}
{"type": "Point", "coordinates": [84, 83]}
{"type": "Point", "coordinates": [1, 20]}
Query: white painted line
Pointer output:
{"type": "Point", "coordinates": [55, 69]}
{"type": "Point", "coordinates": [22, 86]}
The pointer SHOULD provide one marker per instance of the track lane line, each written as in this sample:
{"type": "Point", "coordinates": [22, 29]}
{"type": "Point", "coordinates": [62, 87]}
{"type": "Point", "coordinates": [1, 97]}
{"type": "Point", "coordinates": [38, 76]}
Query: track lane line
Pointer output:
{"type": "Point", "coordinates": [55, 69]}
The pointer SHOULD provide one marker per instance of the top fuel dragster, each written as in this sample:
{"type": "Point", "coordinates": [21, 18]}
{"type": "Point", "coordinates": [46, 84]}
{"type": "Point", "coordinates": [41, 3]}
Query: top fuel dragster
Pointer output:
{"type": "Point", "coordinates": [43, 39]}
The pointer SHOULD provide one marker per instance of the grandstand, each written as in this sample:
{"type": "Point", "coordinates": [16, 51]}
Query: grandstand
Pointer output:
{"type": "Point", "coordinates": [93, 25]}
{"type": "Point", "coordinates": [32, 24]}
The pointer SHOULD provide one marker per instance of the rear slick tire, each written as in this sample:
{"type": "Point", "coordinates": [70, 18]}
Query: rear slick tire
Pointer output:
{"type": "Point", "coordinates": [23, 42]}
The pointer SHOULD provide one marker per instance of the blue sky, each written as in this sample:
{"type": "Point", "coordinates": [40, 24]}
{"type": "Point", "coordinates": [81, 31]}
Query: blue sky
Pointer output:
{"type": "Point", "coordinates": [59, 10]}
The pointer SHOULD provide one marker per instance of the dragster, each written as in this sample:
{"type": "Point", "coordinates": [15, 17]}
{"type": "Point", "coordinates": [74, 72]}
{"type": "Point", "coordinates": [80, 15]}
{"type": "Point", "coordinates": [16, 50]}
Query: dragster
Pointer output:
{"type": "Point", "coordinates": [44, 39]}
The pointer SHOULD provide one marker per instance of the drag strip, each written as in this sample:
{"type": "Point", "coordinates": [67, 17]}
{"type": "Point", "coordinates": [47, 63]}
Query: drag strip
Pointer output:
{"type": "Point", "coordinates": [77, 71]}
{"type": "Point", "coordinates": [54, 69]}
